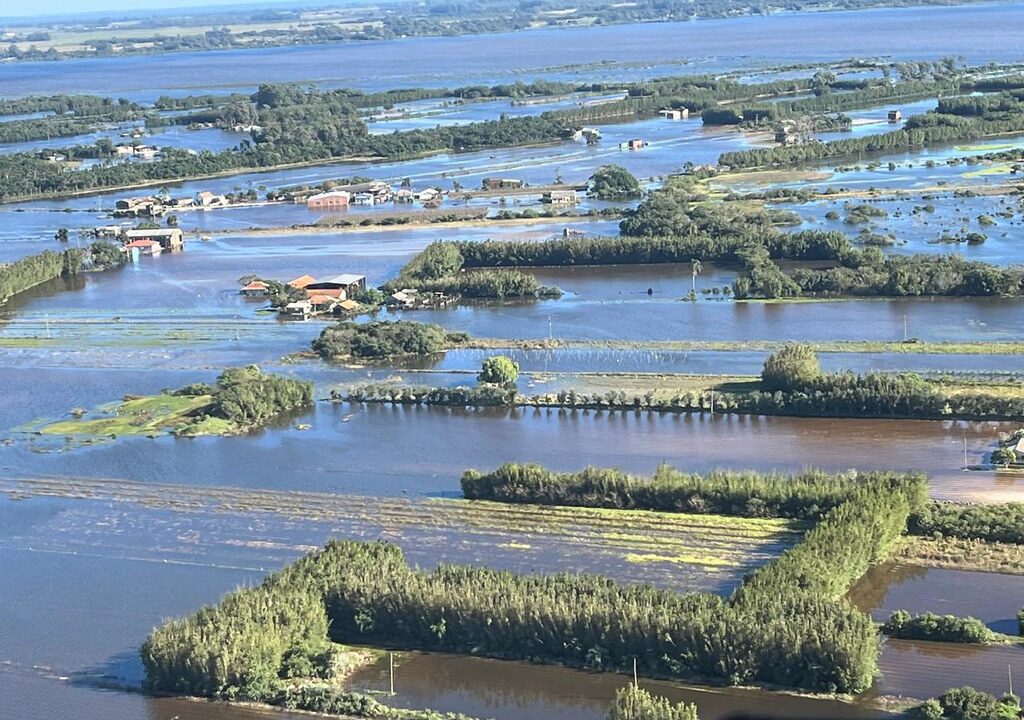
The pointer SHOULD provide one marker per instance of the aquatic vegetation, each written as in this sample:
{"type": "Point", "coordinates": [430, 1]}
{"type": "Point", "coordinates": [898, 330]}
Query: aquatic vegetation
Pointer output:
{"type": "Point", "coordinates": [149, 415]}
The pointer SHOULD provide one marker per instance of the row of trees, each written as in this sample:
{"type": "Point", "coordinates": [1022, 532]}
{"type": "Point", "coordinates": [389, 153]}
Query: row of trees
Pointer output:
{"type": "Point", "coordinates": [869, 273]}
{"type": "Point", "coordinates": [920, 131]}
{"type": "Point", "coordinates": [991, 523]}
{"type": "Point", "coordinates": [32, 270]}
{"type": "Point", "coordinates": [792, 384]}
{"type": "Point", "coordinates": [805, 496]}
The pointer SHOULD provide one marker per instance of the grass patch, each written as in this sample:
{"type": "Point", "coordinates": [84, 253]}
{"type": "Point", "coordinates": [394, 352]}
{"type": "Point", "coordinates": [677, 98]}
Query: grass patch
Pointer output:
{"type": "Point", "coordinates": [960, 554]}
{"type": "Point", "coordinates": [148, 415]}
{"type": "Point", "coordinates": [996, 169]}
{"type": "Point", "coordinates": [702, 560]}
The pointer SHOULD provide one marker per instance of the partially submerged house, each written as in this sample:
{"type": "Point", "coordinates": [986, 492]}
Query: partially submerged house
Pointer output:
{"type": "Point", "coordinates": [346, 285]}
{"type": "Point", "coordinates": [301, 282]}
{"type": "Point", "coordinates": [256, 288]}
{"type": "Point", "coordinates": [298, 309]}
{"type": "Point", "coordinates": [330, 200]}
{"type": "Point", "coordinates": [139, 207]}
{"type": "Point", "coordinates": [895, 116]}
{"type": "Point", "coordinates": [207, 199]}
{"type": "Point", "coordinates": [561, 197]}
{"type": "Point", "coordinates": [675, 113]}
{"type": "Point", "coordinates": [634, 144]}
{"type": "Point", "coordinates": [142, 247]}
{"type": "Point", "coordinates": [501, 184]}
{"type": "Point", "coordinates": [168, 238]}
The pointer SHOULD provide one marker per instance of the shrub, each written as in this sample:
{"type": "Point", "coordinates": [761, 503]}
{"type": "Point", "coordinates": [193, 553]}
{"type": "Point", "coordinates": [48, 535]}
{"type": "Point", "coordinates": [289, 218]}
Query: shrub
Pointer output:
{"type": "Point", "coordinates": [499, 370]}
{"type": "Point", "coordinates": [945, 628]}
{"type": "Point", "coordinates": [794, 367]}
{"type": "Point", "coordinates": [966, 703]}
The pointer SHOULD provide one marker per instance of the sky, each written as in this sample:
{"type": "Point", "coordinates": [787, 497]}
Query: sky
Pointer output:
{"type": "Point", "coordinates": [9, 8]}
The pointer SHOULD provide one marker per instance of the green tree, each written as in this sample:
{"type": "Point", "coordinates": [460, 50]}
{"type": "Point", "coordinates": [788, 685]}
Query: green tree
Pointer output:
{"type": "Point", "coordinates": [634, 703]}
{"type": "Point", "coordinates": [499, 370]}
{"type": "Point", "coordinates": [614, 182]}
{"type": "Point", "coordinates": [794, 367]}
{"type": "Point", "coordinates": [61, 235]}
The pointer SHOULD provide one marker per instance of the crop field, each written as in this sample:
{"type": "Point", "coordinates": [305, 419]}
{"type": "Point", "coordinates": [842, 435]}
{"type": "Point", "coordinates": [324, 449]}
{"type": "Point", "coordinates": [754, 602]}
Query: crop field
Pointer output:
{"type": "Point", "coordinates": [670, 550]}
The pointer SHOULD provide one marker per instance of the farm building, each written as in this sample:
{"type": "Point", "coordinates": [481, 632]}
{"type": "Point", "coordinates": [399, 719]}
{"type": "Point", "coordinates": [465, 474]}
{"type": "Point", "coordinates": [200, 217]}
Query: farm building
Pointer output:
{"type": "Point", "coordinates": [331, 200]}
{"type": "Point", "coordinates": [168, 238]}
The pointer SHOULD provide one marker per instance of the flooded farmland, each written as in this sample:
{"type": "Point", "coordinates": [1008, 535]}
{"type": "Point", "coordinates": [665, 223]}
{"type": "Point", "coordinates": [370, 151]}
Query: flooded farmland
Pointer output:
{"type": "Point", "coordinates": [103, 540]}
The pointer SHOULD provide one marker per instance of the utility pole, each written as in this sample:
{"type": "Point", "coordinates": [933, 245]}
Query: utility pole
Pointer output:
{"type": "Point", "coordinates": [965, 452]}
{"type": "Point", "coordinates": [391, 672]}
{"type": "Point", "coordinates": [636, 682]}
{"type": "Point", "coordinates": [1009, 675]}
{"type": "Point", "coordinates": [905, 338]}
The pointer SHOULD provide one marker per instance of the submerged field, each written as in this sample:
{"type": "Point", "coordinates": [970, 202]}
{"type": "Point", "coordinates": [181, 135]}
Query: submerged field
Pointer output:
{"type": "Point", "coordinates": [671, 550]}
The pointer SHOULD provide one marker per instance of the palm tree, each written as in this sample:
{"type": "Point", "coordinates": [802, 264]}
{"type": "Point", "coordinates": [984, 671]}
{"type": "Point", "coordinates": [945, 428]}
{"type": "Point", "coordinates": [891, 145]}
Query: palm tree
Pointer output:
{"type": "Point", "coordinates": [696, 269]}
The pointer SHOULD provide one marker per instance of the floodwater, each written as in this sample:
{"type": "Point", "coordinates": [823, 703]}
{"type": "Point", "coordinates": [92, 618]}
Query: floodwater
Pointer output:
{"type": "Point", "coordinates": [86, 578]}
{"type": "Point", "coordinates": [120, 566]}
{"type": "Point", "coordinates": [985, 33]}
{"type": "Point", "coordinates": [343, 454]}
{"type": "Point", "coordinates": [641, 317]}
{"type": "Point", "coordinates": [993, 598]}
{"type": "Point", "coordinates": [519, 691]}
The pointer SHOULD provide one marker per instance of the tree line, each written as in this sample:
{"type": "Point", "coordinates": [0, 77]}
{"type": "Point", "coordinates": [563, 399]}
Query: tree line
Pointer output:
{"type": "Point", "coordinates": [804, 496]}
{"type": "Point", "coordinates": [32, 270]}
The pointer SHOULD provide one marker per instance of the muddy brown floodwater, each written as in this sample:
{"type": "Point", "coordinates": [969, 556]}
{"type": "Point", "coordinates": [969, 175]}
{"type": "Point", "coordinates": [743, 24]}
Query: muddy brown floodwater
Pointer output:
{"type": "Point", "coordinates": [484, 688]}
{"type": "Point", "coordinates": [342, 450]}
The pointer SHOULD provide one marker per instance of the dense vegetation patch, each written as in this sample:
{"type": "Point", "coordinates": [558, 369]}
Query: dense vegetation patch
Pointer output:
{"type": "Point", "coordinates": [993, 523]}
{"type": "Point", "coordinates": [240, 400]}
{"type": "Point", "coordinates": [944, 628]}
{"type": "Point", "coordinates": [614, 182]}
{"type": "Point", "coordinates": [807, 495]}
{"type": "Point", "coordinates": [441, 268]}
{"type": "Point", "coordinates": [634, 703]}
{"type": "Point", "coordinates": [966, 703]}
{"type": "Point", "coordinates": [33, 270]}
{"type": "Point", "coordinates": [788, 624]}
{"type": "Point", "coordinates": [384, 339]}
